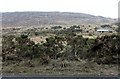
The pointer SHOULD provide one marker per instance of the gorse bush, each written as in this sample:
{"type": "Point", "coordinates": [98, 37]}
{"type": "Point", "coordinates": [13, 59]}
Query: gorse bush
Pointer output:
{"type": "Point", "coordinates": [106, 49]}
{"type": "Point", "coordinates": [17, 47]}
{"type": "Point", "coordinates": [103, 50]}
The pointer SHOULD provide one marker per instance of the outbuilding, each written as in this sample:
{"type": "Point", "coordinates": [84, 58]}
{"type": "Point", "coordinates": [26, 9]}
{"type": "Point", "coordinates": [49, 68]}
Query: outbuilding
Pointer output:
{"type": "Point", "coordinates": [102, 30]}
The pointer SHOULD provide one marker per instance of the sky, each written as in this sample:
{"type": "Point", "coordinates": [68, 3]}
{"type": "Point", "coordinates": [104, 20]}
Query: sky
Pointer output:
{"type": "Point", "coordinates": [106, 8]}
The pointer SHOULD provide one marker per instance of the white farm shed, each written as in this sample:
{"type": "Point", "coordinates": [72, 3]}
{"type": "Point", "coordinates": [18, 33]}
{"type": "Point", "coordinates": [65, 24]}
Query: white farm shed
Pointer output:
{"type": "Point", "coordinates": [104, 30]}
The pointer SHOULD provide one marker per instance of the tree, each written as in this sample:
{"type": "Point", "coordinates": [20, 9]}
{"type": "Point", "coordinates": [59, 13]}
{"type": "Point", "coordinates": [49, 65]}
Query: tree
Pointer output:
{"type": "Point", "coordinates": [106, 49]}
{"type": "Point", "coordinates": [8, 47]}
{"type": "Point", "coordinates": [56, 27]}
{"type": "Point", "coordinates": [53, 46]}
{"type": "Point", "coordinates": [17, 47]}
{"type": "Point", "coordinates": [77, 45]}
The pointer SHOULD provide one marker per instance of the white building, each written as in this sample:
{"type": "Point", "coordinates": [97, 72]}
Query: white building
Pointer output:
{"type": "Point", "coordinates": [104, 30]}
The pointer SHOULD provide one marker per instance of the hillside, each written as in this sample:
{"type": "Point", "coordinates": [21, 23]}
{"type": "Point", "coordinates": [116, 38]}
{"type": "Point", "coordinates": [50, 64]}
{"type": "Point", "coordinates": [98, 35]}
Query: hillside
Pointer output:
{"type": "Point", "coordinates": [50, 18]}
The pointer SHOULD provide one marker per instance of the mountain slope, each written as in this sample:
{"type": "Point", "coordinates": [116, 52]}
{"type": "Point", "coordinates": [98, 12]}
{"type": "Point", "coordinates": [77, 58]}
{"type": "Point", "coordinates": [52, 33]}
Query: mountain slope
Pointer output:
{"type": "Point", "coordinates": [50, 18]}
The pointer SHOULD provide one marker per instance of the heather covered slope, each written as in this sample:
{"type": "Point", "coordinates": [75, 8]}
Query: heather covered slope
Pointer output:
{"type": "Point", "coordinates": [51, 18]}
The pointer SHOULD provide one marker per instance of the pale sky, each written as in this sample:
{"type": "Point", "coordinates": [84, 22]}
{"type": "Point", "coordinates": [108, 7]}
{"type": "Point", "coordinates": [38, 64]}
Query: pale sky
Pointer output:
{"type": "Point", "coordinates": [106, 8]}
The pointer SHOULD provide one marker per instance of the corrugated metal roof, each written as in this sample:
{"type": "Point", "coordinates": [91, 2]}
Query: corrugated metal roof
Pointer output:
{"type": "Point", "coordinates": [104, 29]}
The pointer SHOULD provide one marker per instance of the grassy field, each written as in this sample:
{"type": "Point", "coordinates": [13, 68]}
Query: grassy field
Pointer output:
{"type": "Point", "coordinates": [72, 68]}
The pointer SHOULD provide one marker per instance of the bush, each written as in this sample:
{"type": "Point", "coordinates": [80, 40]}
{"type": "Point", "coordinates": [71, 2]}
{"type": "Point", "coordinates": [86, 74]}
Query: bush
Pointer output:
{"type": "Point", "coordinates": [106, 49]}
{"type": "Point", "coordinates": [103, 50]}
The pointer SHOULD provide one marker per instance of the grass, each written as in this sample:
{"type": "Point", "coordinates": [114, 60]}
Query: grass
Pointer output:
{"type": "Point", "coordinates": [90, 37]}
{"type": "Point", "coordinates": [74, 68]}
